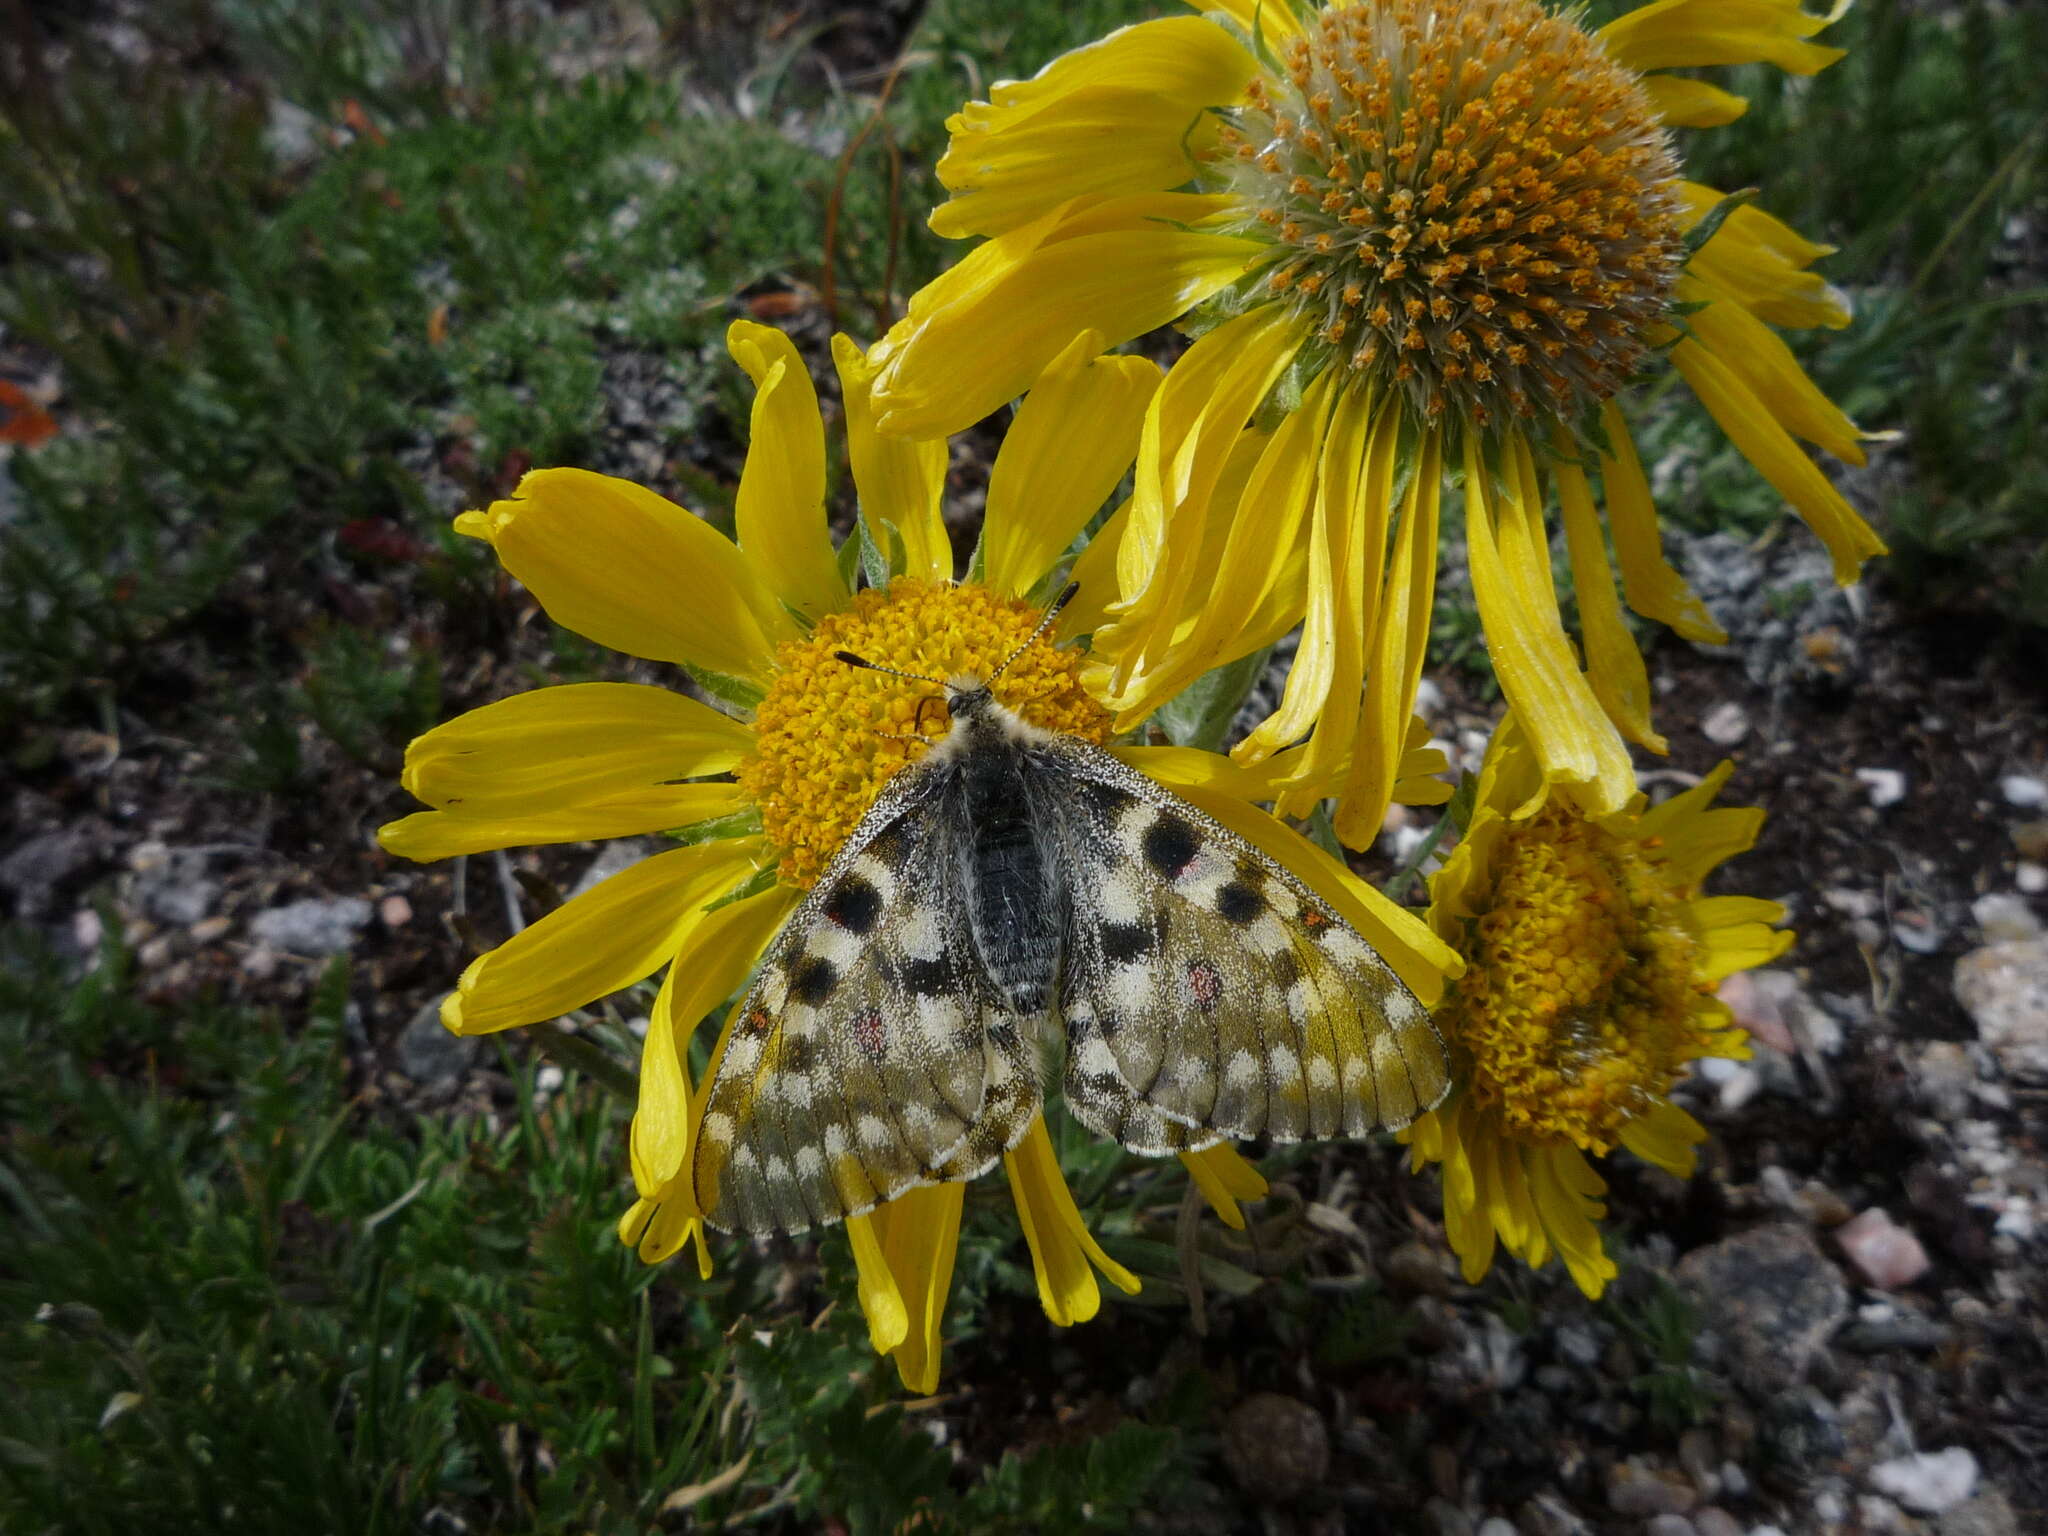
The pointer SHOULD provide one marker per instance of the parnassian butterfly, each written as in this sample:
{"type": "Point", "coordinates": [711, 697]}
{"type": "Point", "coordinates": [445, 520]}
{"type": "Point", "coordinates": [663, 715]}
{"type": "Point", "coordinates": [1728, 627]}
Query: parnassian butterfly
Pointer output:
{"type": "Point", "coordinates": [1015, 897]}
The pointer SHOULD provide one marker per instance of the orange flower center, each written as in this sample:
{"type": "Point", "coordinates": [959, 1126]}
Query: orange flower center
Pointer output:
{"type": "Point", "coordinates": [1582, 996]}
{"type": "Point", "coordinates": [1471, 203]}
{"type": "Point", "coordinates": [828, 736]}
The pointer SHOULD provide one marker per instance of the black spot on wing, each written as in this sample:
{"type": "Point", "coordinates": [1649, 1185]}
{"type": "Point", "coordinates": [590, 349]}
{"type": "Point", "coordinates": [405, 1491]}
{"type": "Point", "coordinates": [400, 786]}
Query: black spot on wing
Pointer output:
{"type": "Point", "coordinates": [1238, 902]}
{"type": "Point", "coordinates": [813, 979]}
{"type": "Point", "coordinates": [1169, 844]}
{"type": "Point", "coordinates": [854, 905]}
{"type": "Point", "coordinates": [926, 978]}
{"type": "Point", "coordinates": [1123, 942]}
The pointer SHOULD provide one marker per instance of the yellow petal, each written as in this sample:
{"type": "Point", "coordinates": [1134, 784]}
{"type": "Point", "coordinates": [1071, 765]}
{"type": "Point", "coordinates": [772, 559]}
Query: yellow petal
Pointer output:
{"type": "Point", "coordinates": [1654, 589]}
{"type": "Point", "coordinates": [1192, 431]}
{"type": "Point", "coordinates": [1333, 626]}
{"type": "Point", "coordinates": [1224, 1178]}
{"type": "Point", "coordinates": [1192, 767]}
{"type": "Point", "coordinates": [1419, 957]}
{"type": "Point", "coordinates": [1667, 1136]}
{"type": "Point", "coordinates": [1683, 34]}
{"type": "Point", "coordinates": [1755, 354]}
{"type": "Point", "coordinates": [605, 939]}
{"type": "Point", "coordinates": [658, 1228]}
{"type": "Point", "coordinates": [719, 954]}
{"type": "Point", "coordinates": [1517, 601]}
{"type": "Point", "coordinates": [1272, 20]}
{"type": "Point", "coordinates": [977, 335]}
{"type": "Point", "coordinates": [1753, 427]}
{"type": "Point", "coordinates": [1740, 934]}
{"type": "Point", "coordinates": [1061, 1246]}
{"type": "Point", "coordinates": [1111, 118]}
{"type": "Point", "coordinates": [1684, 103]}
{"type": "Point", "coordinates": [1265, 533]}
{"type": "Point", "coordinates": [881, 1299]}
{"type": "Point", "coordinates": [1399, 639]}
{"type": "Point", "coordinates": [902, 483]}
{"type": "Point", "coordinates": [780, 513]}
{"type": "Point", "coordinates": [1761, 262]}
{"type": "Point", "coordinates": [1561, 1198]}
{"type": "Point", "coordinates": [920, 1235]}
{"type": "Point", "coordinates": [660, 808]}
{"type": "Point", "coordinates": [1620, 680]}
{"type": "Point", "coordinates": [1357, 485]}
{"type": "Point", "coordinates": [554, 747]}
{"type": "Point", "coordinates": [1070, 443]}
{"type": "Point", "coordinates": [614, 562]}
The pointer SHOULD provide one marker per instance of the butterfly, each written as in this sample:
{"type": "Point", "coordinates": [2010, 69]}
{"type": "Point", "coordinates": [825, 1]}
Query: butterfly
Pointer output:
{"type": "Point", "coordinates": [1019, 905]}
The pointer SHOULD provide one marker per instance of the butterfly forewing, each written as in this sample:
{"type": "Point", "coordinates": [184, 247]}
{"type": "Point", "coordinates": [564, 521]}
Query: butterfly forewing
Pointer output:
{"type": "Point", "coordinates": [1207, 992]}
{"type": "Point", "coordinates": [867, 1059]}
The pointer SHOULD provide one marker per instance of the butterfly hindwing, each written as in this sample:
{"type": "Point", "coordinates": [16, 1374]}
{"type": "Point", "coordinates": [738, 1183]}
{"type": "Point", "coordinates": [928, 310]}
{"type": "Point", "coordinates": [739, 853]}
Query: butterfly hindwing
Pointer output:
{"type": "Point", "coordinates": [1207, 992]}
{"type": "Point", "coordinates": [866, 1059]}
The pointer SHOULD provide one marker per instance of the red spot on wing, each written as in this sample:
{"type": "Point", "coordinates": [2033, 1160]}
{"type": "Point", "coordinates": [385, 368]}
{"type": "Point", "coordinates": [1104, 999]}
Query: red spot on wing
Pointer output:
{"type": "Point", "coordinates": [869, 1033]}
{"type": "Point", "coordinates": [1206, 983]}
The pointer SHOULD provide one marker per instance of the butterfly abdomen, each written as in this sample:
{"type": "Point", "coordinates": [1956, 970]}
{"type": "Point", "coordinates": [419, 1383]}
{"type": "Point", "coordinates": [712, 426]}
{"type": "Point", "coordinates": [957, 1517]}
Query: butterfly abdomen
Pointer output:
{"type": "Point", "coordinates": [1005, 868]}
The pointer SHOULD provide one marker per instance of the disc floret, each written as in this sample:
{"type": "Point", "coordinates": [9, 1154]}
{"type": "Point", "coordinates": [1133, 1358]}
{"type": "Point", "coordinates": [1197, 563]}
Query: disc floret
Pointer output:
{"type": "Point", "coordinates": [829, 736]}
{"type": "Point", "coordinates": [1582, 998]}
{"type": "Point", "coordinates": [1470, 203]}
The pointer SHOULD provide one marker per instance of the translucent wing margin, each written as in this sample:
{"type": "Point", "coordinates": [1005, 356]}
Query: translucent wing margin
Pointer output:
{"type": "Point", "coordinates": [867, 1059]}
{"type": "Point", "coordinates": [1207, 992]}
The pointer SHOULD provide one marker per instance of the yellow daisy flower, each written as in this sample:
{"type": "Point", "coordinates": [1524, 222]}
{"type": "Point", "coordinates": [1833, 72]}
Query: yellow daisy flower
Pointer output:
{"type": "Point", "coordinates": [766, 788]}
{"type": "Point", "coordinates": [1421, 238]}
{"type": "Point", "coordinates": [1591, 963]}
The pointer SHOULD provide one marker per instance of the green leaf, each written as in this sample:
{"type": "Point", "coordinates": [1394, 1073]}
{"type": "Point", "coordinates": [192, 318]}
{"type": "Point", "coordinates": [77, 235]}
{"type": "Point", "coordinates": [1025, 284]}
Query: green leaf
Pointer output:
{"type": "Point", "coordinates": [1715, 217]}
{"type": "Point", "coordinates": [1201, 714]}
{"type": "Point", "coordinates": [739, 824]}
{"type": "Point", "coordinates": [735, 691]}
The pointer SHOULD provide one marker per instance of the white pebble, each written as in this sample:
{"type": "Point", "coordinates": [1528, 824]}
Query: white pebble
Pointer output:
{"type": "Point", "coordinates": [2004, 917]}
{"type": "Point", "coordinates": [548, 1079]}
{"type": "Point", "coordinates": [1884, 1253]}
{"type": "Point", "coordinates": [2031, 878]}
{"type": "Point", "coordinates": [2023, 790]}
{"type": "Point", "coordinates": [1929, 1481]}
{"type": "Point", "coordinates": [1887, 786]}
{"type": "Point", "coordinates": [1429, 699]}
{"type": "Point", "coordinates": [1726, 724]}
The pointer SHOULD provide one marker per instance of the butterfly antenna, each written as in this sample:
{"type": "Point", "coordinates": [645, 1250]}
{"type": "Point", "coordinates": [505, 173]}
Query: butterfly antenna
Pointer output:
{"type": "Point", "coordinates": [1052, 612]}
{"type": "Point", "coordinates": [862, 662]}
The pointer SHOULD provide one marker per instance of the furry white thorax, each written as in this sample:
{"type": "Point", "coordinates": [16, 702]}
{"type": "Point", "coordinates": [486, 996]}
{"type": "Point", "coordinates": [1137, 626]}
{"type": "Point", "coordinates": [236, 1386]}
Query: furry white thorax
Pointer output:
{"type": "Point", "coordinates": [978, 717]}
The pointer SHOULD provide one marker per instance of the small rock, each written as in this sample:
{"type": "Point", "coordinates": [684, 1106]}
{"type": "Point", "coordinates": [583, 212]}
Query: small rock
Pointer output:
{"type": "Point", "coordinates": [1415, 1269]}
{"type": "Point", "coordinates": [1493, 1525]}
{"type": "Point", "coordinates": [1545, 1514]}
{"type": "Point", "coordinates": [2004, 989]}
{"type": "Point", "coordinates": [1276, 1447]}
{"type": "Point", "coordinates": [1633, 1490]}
{"type": "Point", "coordinates": [2004, 918]}
{"type": "Point", "coordinates": [1772, 1298]}
{"type": "Point", "coordinates": [394, 911]}
{"type": "Point", "coordinates": [1884, 1253]}
{"type": "Point", "coordinates": [1669, 1525]}
{"type": "Point", "coordinates": [206, 931]}
{"type": "Point", "coordinates": [2031, 878]}
{"type": "Point", "coordinates": [1886, 786]}
{"type": "Point", "coordinates": [1929, 1481]}
{"type": "Point", "coordinates": [1697, 1455]}
{"type": "Point", "coordinates": [429, 1053]}
{"type": "Point", "coordinates": [2031, 839]}
{"type": "Point", "coordinates": [549, 1079]}
{"type": "Point", "coordinates": [260, 963]}
{"type": "Point", "coordinates": [1429, 699]}
{"type": "Point", "coordinates": [2023, 790]}
{"type": "Point", "coordinates": [613, 857]}
{"type": "Point", "coordinates": [1715, 1521]}
{"type": "Point", "coordinates": [1988, 1514]}
{"type": "Point", "coordinates": [317, 926]}
{"type": "Point", "coordinates": [35, 869]}
{"type": "Point", "coordinates": [1943, 1075]}
{"type": "Point", "coordinates": [1446, 1519]}
{"type": "Point", "coordinates": [1726, 724]}
{"type": "Point", "coordinates": [1811, 1201]}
